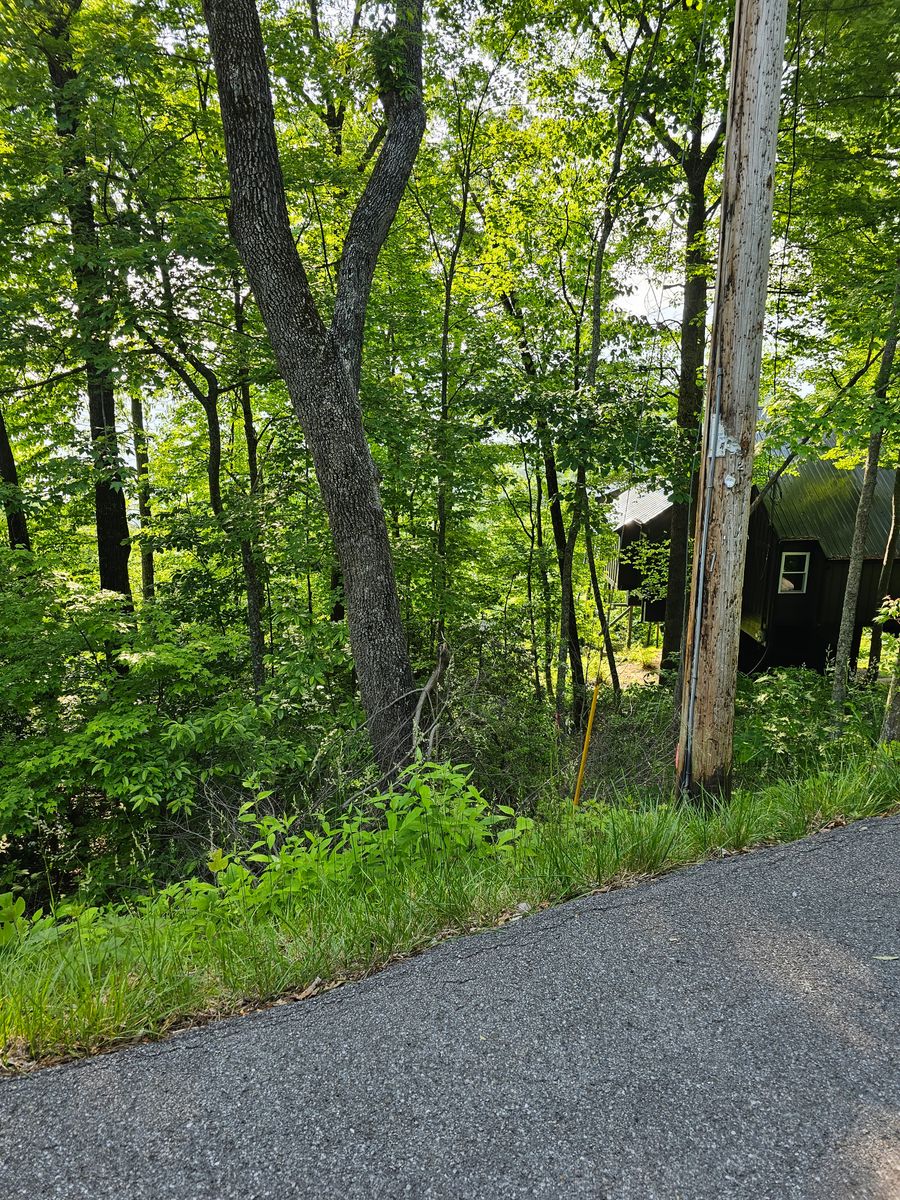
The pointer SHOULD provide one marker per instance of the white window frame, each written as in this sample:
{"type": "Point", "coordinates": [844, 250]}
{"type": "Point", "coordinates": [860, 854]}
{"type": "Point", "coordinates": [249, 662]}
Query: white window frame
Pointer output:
{"type": "Point", "coordinates": [797, 591]}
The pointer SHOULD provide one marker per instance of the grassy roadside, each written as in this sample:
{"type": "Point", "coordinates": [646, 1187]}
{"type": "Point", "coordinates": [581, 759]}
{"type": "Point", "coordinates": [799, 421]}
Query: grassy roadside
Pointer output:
{"type": "Point", "coordinates": [428, 860]}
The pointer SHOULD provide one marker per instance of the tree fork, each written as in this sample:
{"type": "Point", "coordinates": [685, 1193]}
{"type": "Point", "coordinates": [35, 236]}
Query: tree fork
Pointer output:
{"type": "Point", "coordinates": [321, 367]}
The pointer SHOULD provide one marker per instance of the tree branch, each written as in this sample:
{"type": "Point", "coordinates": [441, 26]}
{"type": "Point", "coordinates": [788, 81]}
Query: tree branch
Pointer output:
{"type": "Point", "coordinates": [41, 383]}
{"type": "Point", "coordinates": [372, 218]}
{"type": "Point", "coordinates": [804, 441]}
{"type": "Point", "coordinates": [708, 157]}
{"type": "Point", "coordinates": [377, 139]}
{"type": "Point", "coordinates": [258, 215]}
{"type": "Point", "coordinates": [665, 139]}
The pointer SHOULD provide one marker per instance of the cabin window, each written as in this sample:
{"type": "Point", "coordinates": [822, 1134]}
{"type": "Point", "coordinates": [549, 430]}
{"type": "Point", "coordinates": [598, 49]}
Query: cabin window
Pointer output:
{"type": "Point", "coordinates": [794, 573]}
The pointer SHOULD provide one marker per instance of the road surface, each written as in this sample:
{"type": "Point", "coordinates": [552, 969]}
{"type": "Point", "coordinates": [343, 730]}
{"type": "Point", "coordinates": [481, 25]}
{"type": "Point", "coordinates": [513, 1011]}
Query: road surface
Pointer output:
{"type": "Point", "coordinates": [729, 1030]}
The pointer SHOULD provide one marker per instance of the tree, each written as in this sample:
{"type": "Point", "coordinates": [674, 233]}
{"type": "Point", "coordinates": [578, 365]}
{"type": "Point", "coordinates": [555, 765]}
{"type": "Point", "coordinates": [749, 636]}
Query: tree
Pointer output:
{"type": "Point", "coordinates": [695, 160]}
{"type": "Point", "coordinates": [16, 522]}
{"type": "Point", "coordinates": [891, 549]}
{"type": "Point", "coordinates": [842, 664]}
{"type": "Point", "coordinates": [890, 729]}
{"type": "Point", "coordinates": [94, 304]}
{"type": "Point", "coordinates": [321, 366]}
{"type": "Point", "coordinates": [837, 224]}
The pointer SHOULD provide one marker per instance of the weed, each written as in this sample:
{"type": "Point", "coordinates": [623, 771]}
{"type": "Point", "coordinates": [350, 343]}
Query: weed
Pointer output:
{"type": "Point", "coordinates": [426, 859]}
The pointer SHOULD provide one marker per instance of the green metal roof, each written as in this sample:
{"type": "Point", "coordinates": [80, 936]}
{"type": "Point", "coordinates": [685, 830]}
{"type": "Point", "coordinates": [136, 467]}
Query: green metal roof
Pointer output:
{"type": "Point", "coordinates": [819, 503]}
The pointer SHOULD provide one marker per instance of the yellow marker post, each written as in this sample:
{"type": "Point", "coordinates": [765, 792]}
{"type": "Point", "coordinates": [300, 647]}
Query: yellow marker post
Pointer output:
{"type": "Point", "coordinates": [587, 742]}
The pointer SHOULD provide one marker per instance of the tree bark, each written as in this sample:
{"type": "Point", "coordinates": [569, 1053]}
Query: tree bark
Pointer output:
{"type": "Point", "coordinates": [842, 664]}
{"type": "Point", "coordinates": [598, 601]}
{"type": "Point", "coordinates": [843, 668]}
{"type": "Point", "coordinates": [565, 607]}
{"type": "Point", "coordinates": [567, 597]}
{"type": "Point", "coordinates": [890, 730]}
{"type": "Point", "coordinates": [250, 436]}
{"type": "Point", "coordinates": [884, 579]}
{"type": "Point", "coordinates": [705, 745]}
{"type": "Point", "coordinates": [252, 554]}
{"type": "Point", "coordinates": [321, 367]}
{"type": "Point", "coordinates": [255, 613]}
{"type": "Point", "coordinates": [142, 461]}
{"type": "Point", "coordinates": [557, 524]}
{"type": "Point", "coordinates": [93, 315]}
{"type": "Point", "coordinates": [545, 587]}
{"type": "Point", "coordinates": [529, 583]}
{"type": "Point", "coordinates": [696, 163]}
{"type": "Point", "coordinates": [690, 405]}
{"type": "Point", "coordinates": [249, 565]}
{"type": "Point", "coordinates": [16, 522]}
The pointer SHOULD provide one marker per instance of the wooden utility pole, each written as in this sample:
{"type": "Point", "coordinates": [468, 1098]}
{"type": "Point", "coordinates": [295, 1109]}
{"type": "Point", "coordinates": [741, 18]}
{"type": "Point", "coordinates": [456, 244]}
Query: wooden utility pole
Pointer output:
{"type": "Point", "coordinates": [704, 756]}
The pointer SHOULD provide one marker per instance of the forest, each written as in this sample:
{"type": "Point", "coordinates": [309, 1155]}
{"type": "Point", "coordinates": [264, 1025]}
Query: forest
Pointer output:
{"type": "Point", "coordinates": [339, 344]}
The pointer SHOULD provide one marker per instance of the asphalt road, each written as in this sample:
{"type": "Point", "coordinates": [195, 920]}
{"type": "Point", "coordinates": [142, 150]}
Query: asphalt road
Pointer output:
{"type": "Point", "coordinates": [727, 1031]}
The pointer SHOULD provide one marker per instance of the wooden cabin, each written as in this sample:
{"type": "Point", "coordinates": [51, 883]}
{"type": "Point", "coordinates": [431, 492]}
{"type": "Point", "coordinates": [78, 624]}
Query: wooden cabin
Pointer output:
{"type": "Point", "coordinates": [798, 555]}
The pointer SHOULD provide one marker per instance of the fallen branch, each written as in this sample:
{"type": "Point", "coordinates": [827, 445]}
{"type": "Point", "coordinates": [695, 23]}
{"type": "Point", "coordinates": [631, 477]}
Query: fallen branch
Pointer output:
{"type": "Point", "coordinates": [443, 661]}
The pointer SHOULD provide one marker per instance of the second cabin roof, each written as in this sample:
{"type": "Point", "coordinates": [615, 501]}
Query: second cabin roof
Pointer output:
{"type": "Point", "coordinates": [817, 502]}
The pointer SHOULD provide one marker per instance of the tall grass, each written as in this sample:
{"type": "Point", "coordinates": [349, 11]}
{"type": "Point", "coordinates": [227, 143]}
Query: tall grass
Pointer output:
{"type": "Point", "coordinates": [436, 864]}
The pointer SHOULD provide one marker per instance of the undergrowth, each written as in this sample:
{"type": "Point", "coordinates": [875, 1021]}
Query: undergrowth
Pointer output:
{"type": "Point", "coordinates": [296, 907]}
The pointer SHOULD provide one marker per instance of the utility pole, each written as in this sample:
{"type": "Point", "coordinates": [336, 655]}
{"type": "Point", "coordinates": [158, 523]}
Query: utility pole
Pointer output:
{"type": "Point", "coordinates": [704, 759]}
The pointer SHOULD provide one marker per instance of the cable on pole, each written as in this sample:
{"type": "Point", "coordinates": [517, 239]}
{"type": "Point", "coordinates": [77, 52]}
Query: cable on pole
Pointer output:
{"type": "Point", "coordinates": [701, 570]}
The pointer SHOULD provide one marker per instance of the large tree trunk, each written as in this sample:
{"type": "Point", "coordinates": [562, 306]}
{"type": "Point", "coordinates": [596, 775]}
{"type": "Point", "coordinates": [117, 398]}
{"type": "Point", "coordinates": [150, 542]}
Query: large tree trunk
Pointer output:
{"type": "Point", "coordinates": [884, 579]}
{"type": "Point", "coordinates": [842, 664]}
{"type": "Point", "coordinates": [93, 319]}
{"type": "Point", "coordinates": [321, 367]}
{"type": "Point", "coordinates": [16, 523]}
{"type": "Point", "coordinates": [690, 405]}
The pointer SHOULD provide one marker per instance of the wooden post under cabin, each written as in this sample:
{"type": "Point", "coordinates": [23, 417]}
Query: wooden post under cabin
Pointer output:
{"type": "Point", "coordinates": [704, 758]}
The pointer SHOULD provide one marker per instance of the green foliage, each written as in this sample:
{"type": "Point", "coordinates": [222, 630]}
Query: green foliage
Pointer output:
{"type": "Point", "coordinates": [145, 751]}
{"type": "Point", "coordinates": [424, 860]}
{"type": "Point", "coordinates": [432, 816]}
{"type": "Point", "coordinates": [651, 560]}
{"type": "Point", "coordinates": [783, 726]}
{"type": "Point", "coordinates": [98, 752]}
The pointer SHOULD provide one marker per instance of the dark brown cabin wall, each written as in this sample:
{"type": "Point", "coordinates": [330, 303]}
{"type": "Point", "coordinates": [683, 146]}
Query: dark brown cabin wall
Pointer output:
{"type": "Point", "coordinates": [832, 590]}
{"type": "Point", "coordinates": [756, 597]}
{"type": "Point", "coordinates": [795, 637]}
{"type": "Point", "coordinates": [869, 593]}
{"type": "Point", "coordinates": [831, 595]}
